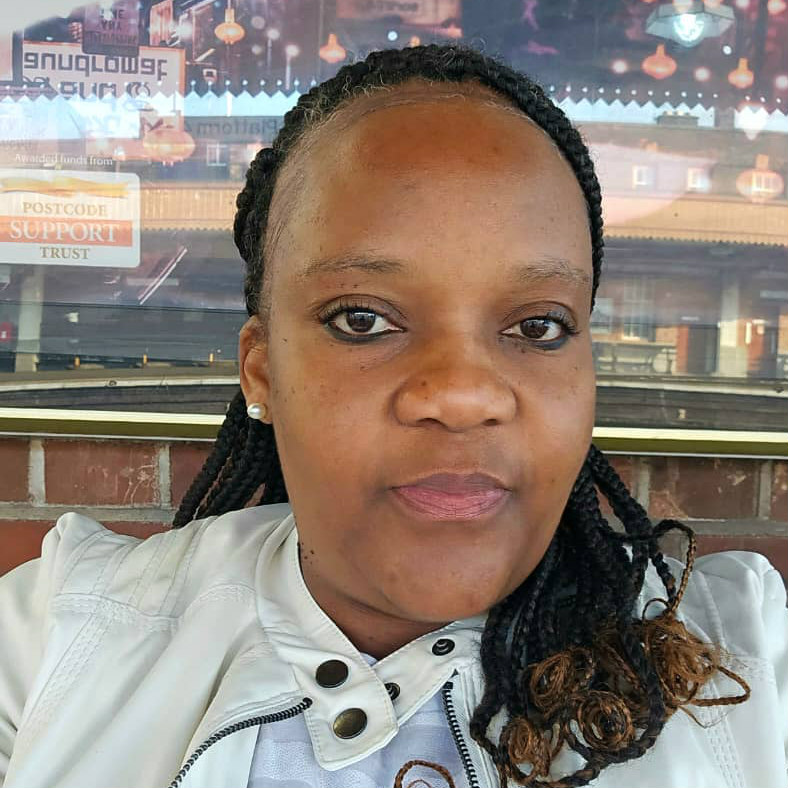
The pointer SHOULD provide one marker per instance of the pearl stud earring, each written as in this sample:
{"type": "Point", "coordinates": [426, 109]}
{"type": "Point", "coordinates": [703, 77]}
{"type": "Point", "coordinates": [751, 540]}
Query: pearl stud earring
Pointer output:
{"type": "Point", "coordinates": [255, 411]}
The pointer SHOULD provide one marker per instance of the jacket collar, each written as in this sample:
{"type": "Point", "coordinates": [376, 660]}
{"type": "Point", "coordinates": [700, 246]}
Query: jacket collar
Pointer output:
{"type": "Point", "coordinates": [304, 637]}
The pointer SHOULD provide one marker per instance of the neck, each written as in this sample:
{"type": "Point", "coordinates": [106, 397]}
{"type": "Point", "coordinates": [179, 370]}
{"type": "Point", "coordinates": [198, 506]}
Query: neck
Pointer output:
{"type": "Point", "coordinates": [374, 632]}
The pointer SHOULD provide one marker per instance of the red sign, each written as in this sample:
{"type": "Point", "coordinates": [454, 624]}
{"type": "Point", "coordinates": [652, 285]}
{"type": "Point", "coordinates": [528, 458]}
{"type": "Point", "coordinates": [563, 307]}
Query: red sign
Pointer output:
{"type": "Point", "coordinates": [6, 331]}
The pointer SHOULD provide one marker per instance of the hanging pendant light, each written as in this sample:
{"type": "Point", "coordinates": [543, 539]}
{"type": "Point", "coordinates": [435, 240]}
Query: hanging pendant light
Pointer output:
{"type": "Point", "coordinates": [229, 31]}
{"type": "Point", "coordinates": [332, 51]}
{"type": "Point", "coordinates": [688, 22]}
{"type": "Point", "coordinates": [741, 77]}
{"type": "Point", "coordinates": [659, 65]}
{"type": "Point", "coordinates": [168, 144]}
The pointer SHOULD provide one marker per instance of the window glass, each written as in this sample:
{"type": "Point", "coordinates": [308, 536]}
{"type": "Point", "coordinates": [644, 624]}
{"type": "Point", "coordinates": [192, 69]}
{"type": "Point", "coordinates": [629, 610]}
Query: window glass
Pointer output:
{"type": "Point", "coordinates": [126, 129]}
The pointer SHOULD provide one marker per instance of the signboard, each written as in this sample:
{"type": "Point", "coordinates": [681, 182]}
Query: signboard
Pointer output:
{"type": "Point", "coordinates": [237, 129]}
{"type": "Point", "coordinates": [112, 28]}
{"type": "Point", "coordinates": [411, 12]}
{"type": "Point", "coordinates": [72, 72]}
{"type": "Point", "coordinates": [69, 217]}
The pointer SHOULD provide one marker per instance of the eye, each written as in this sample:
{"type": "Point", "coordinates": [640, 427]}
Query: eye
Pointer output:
{"type": "Point", "coordinates": [354, 320]}
{"type": "Point", "coordinates": [546, 329]}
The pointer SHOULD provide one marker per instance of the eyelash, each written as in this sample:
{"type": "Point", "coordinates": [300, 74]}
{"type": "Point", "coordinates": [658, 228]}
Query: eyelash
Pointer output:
{"type": "Point", "coordinates": [344, 305]}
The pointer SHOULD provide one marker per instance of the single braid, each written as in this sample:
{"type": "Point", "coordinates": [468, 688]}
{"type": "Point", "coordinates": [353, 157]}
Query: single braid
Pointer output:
{"type": "Point", "coordinates": [225, 441]}
{"type": "Point", "coordinates": [567, 657]}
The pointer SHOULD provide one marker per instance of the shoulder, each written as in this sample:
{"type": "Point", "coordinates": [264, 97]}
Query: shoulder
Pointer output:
{"type": "Point", "coordinates": [165, 571]}
{"type": "Point", "coordinates": [738, 599]}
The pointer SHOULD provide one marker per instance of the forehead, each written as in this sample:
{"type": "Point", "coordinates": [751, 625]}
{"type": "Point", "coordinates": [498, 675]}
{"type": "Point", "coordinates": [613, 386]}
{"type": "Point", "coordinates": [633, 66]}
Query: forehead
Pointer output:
{"type": "Point", "coordinates": [394, 163]}
{"type": "Point", "coordinates": [420, 126]}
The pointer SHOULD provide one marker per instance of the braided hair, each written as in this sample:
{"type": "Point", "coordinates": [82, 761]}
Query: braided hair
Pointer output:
{"type": "Point", "coordinates": [565, 660]}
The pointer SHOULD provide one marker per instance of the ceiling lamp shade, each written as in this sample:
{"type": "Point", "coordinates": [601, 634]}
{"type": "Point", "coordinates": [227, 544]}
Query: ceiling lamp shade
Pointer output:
{"type": "Point", "coordinates": [333, 51]}
{"type": "Point", "coordinates": [659, 65]}
{"type": "Point", "coordinates": [168, 144]}
{"type": "Point", "coordinates": [229, 31]}
{"type": "Point", "coordinates": [689, 23]}
{"type": "Point", "coordinates": [741, 77]}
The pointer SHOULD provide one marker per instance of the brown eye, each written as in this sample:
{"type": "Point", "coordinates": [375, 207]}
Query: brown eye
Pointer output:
{"type": "Point", "coordinates": [358, 322]}
{"type": "Point", "coordinates": [541, 328]}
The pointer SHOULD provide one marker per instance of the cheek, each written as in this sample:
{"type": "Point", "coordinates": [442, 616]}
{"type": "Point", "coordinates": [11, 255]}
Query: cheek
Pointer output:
{"type": "Point", "coordinates": [324, 418]}
{"type": "Point", "coordinates": [559, 423]}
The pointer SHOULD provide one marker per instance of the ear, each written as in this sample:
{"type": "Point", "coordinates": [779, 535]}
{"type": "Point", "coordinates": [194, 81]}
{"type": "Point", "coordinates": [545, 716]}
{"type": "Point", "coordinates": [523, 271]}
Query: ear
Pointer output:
{"type": "Point", "coordinates": [253, 363]}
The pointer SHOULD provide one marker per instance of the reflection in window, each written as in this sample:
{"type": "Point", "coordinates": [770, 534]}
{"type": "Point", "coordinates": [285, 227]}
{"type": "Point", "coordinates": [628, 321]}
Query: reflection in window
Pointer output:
{"type": "Point", "coordinates": [642, 176]}
{"type": "Point", "coordinates": [156, 108]}
{"type": "Point", "coordinates": [217, 154]}
{"type": "Point", "coordinates": [698, 180]}
{"type": "Point", "coordinates": [637, 308]}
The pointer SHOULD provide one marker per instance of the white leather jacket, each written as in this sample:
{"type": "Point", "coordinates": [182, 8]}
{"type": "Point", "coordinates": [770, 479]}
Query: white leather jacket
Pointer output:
{"type": "Point", "coordinates": [151, 664]}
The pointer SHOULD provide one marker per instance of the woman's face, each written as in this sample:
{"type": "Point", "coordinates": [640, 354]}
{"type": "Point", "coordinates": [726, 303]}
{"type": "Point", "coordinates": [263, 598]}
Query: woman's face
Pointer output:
{"type": "Point", "coordinates": [475, 223]}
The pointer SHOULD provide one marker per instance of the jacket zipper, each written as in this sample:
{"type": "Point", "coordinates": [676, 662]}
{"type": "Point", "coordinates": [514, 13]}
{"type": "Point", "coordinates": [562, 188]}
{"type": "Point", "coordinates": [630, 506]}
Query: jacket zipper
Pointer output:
{"type": "Point", "coordinates": [238, 726]}
{"type": "Point", "coordinates": [456, 732]}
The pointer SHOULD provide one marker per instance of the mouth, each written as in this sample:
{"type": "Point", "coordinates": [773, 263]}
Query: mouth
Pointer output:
{"type": "Point", "coordinates": [428, 503]}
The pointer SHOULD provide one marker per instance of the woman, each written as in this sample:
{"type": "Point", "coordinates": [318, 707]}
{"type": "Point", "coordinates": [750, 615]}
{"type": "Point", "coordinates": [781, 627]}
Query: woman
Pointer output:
{"type": "Point", "coordinates": [427, 590]}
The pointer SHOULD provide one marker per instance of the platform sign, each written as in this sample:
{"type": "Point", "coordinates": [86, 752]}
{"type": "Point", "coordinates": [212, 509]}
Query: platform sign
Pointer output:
{"type": "Point", "coordinates": [69, 217]}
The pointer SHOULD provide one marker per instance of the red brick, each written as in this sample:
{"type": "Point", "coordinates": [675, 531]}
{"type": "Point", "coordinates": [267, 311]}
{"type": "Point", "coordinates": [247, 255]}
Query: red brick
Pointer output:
{"type": "Point", "coordinates": [780, 491]}
{"type": "Point", "coordinates": [775, 548]}
{"type": "Point", "coordinates": [14, 454]}
{"type": "Point", "coordinates": [707, 488]}
{"type": "Point", "coordinates": [186, 460]}
{"type": "Point", "coordinates": [20, 541]}
{"type": "Point", "coordinates": [90, 473]}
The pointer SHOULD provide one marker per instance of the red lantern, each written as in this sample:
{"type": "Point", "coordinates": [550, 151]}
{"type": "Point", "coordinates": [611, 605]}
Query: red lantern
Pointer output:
{"type": "Point", "coordinates": [760, 183]}
{"type": "Point", "coordinates": [741, 77]}
{"type": "Point", "coordinates": [168, 144]}
{"type": "Point", "coordinates": [333, 51]}
{"type": "Point", "coordinates": [659, 65]}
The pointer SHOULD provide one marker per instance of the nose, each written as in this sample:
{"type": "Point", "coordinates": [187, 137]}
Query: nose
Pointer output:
{"type": "Point", "coordinates": [456, 384]}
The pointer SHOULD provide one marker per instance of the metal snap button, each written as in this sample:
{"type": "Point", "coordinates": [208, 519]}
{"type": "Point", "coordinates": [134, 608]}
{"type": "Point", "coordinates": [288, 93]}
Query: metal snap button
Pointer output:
{"type": "Point", "coordinates": [392, 689]}
{"type": "Point", "coordinates": [331, 673]}
{"type": "Point", "coordinates": [350, 723]}
{"type": "Point", "coordinates": [442, 646]}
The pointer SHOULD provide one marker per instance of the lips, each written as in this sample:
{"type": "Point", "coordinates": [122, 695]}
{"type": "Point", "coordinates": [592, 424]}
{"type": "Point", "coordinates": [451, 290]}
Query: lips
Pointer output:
{"type": "Point", "coordinates": [445, 496]}
{"type": "Point", "coordinates": [457, 483]}
{"type": "Point", "coordinates": [438, 505]}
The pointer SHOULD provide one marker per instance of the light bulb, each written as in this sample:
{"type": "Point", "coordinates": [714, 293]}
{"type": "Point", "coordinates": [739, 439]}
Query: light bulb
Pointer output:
{"type": "Point", "coordinates": [689, 27]}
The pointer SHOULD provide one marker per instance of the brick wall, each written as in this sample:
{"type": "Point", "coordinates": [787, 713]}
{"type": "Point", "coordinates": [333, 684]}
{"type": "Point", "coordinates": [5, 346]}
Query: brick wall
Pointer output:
{"type": "Point", "coordinates": [134, 486]}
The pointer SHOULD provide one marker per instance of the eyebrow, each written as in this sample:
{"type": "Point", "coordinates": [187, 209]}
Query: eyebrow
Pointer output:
{"type": "Point", "coordinates": [540, 270]}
